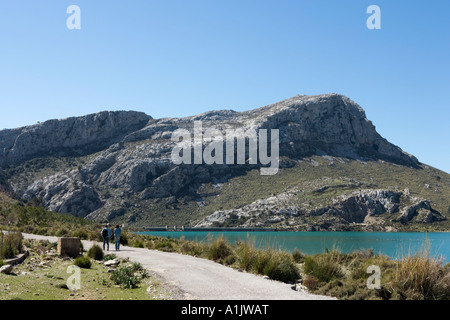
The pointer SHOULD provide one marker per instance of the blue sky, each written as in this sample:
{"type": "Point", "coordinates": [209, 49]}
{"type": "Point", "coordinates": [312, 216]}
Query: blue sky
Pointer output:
{"type": "Point", "coordinates": [173, 58]}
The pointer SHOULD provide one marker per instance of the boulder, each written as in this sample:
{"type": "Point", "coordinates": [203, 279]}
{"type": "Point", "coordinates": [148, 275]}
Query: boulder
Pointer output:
{"type": "Point", "coordinates": [6, 269]}
{"type": "Point", "coordinates": [112, 263]}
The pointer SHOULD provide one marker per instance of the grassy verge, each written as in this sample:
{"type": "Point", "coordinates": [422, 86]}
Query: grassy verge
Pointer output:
{"type": "Point", "coordinates": [44, 276]}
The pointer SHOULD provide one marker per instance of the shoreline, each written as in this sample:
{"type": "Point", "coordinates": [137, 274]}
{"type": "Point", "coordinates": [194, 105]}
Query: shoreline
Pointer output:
{"type": "Point", "coordinates": [162, 229]}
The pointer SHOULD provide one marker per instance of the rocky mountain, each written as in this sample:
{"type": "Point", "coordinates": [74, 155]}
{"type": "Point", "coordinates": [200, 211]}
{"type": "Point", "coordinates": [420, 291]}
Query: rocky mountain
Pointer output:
{"type": "Point", "coordinates": [335, 171]}
{"type": "Point", "coordinates": [68, 137]}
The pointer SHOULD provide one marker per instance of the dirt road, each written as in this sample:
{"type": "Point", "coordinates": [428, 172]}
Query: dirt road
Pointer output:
{"type": "Point", "coordinates": [201, 279]}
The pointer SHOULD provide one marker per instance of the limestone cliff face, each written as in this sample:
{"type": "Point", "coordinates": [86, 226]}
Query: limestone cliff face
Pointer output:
{"type": "Point", "coordinates": [327, 124]}
{"type": "Point", "coordinates": [68, 137]}
{"type": "Point", "coordinates": [136, 149]}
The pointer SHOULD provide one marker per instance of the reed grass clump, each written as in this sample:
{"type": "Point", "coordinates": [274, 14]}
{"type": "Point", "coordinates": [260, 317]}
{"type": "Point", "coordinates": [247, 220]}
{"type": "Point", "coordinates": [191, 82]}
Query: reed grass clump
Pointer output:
{"type": "Point", "coordinates": [219, 250]}
{"type": "Point", "coordinates": [298, 256]}
{"type": "Point", "coordinates": [421, 276]}
{"type": "Point", "coordinates": [10, 245]}
{"type": "Point", "coordinates": [277, 265]}
{"type": "Point", "coordinates": [245, 256]}
{"type": "Point", "coordinates": [324, 267]}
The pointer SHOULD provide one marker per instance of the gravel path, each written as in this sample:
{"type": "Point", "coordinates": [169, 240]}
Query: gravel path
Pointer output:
{"type": "Point", "coordinates": [201, 279]}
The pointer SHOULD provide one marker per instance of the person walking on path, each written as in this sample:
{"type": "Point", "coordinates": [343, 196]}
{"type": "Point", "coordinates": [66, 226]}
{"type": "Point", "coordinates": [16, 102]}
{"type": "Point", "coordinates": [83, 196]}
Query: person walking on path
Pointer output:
{"type": "Point", "coordinates": [117, 233]}
{"type": "Point", "coordinates": [106, 234]}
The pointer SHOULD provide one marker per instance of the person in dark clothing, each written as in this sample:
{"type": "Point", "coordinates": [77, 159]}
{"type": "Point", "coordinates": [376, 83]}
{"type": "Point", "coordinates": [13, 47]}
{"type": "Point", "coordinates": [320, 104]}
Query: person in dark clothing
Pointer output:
{"type": "Point", "coordinates": [106, 234]}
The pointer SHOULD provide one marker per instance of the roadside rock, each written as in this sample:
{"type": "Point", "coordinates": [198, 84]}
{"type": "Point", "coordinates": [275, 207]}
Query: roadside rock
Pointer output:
{"type": "Point", "coordinates": [6, 269]}
{"type": "Point", "coordinates": [112, 263]}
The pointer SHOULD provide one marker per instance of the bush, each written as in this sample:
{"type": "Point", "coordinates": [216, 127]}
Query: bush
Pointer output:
{"type": "Point", "coordinates": [12, 245]}
{"type": "Point", "coordinates": [220, 251]}
{"type": "Point", "coordinates": [125, 277]}
{"type": "Point", "coordinates": [298, 256]}
{"type": "Point", "coordinates": [192, 248]}
{"type": "Point", "coordinates": [311, 283]}
{"type": "Point", "coordinates": [123, 238]}
{"type": "Point", "coordinates": [95, 252]}
{"type": "Point", "coordinates": [109, 257]}
{"type": "Point", "coordinates": [262, 259]}
{"type": "Point", "coordinates": [83, 262]}
{"type": "Point", "coordinates": [245, 256]}
{"type": "Point", "coordinates": [324, 267]}
{"type": "Point", "coordinates": [420, 276]}
{"type": "Point", "coordinates": [164, 245]}
{"type": "Point", "coordinates": [41, 231]}
{"type": "Point", "coordinates": [8, 251]}
{"type": "Point", "coordinates": [138, 243]}
{"type": "Point", "coordinates": [277, 265]}
{"type": "Point", "coordinates": [136, 266]}
{"type": "Point", "coordinates": [81, 233]}
{"type": "Point", "coordinates": [62, 233]}
{"type": "Point", "coordinates": [280, 266]}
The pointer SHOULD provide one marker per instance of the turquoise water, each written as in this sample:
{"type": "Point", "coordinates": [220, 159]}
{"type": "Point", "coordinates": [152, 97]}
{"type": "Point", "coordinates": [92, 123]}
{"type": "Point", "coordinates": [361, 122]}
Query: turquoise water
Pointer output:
{"type": "Point", "coordinates": [392, 244]}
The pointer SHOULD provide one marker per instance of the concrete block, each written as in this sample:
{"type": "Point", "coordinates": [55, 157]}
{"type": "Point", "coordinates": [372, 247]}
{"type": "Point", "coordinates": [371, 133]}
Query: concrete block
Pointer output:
{"type": "Point", "coordinates": [69, 247]}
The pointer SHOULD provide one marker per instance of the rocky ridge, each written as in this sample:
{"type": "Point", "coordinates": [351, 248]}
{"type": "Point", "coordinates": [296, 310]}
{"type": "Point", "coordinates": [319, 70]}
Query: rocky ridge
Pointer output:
{"type": "Point", "coordinates": [362, 208]}
{"type": "Point", "coordinates": [132, 162]}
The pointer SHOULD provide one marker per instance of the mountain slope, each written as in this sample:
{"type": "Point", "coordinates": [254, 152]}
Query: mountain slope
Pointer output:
{"type": "Point", "coordinates": [336, 172]}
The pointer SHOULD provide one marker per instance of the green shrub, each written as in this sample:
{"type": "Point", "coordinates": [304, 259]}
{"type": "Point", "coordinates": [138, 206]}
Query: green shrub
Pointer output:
{"type": "Point", "coordinates": [220, 251]}
{"type": "Point", "coordinates": [95, 252]}
{"type": "Point", "coordinates": [2, 263]}
{"type": "Point", "coordinates": [8, 251]}
{"type": "Point", "coordinates": [125, 277]}
{"type": "Point", "coordinates": [277, 265]}
{"type": "Point", "coordinates": [245, 256]}
{"type": "Point", "coordinates": [83, 262]}
{"type": "Point", "coordinates": [41, 231]}
{"type": "Point", "coordinates": [12, 245]}
{"type": "Point", "coordinates": [124, 238]}
{"type": "Point", "coordinates": [164, 245]}
{"type": "Point", "coordinates": [324, 267]}
{"type": "Point", "coordinates": [81, 233]}
{"type": "Point", "coordinates": [280, 266]}
{"type": "Point", "coordinates": [262, 259]}
{"type": "Point", "coordinates": [62, 232]}
{"type": "Point", "coordinates": [420, 276]}
{"type": "Point", "coordinates": [109, 257]}
{"type": "Point", "coordinates": [192, 248]}
{"type": "Point", "coordinates": [298, 256]}
{"type": "Point", "coordinates": [136, 266]}
{"type": "Point", "coordinates": [138, 243]}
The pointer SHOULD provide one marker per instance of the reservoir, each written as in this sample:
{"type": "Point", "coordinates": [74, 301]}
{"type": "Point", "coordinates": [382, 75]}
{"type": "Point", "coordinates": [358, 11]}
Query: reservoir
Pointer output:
{"type": "Point", "coordinates": [393, 244]}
